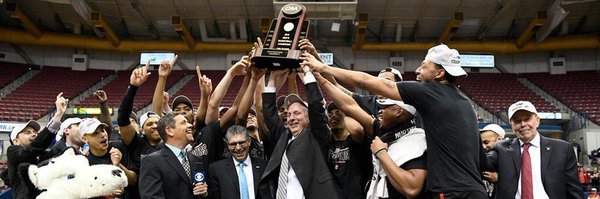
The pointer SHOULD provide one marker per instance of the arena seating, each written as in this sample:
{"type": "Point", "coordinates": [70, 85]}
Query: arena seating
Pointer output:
{"type": "Point", "coordinates": [117, 87]}
{"type": "Point", "coordinates": [35, 97]}
{"type": "Point", "coordinates": [579, 90]}
{"type": "Point", "coordinates": [10, 72]}
{"type": "Point", "coordinates": [496, 91]}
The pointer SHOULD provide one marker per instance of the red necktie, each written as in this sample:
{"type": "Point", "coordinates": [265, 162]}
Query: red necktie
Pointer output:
{"type": "Point", "coordinates": [526, 182]}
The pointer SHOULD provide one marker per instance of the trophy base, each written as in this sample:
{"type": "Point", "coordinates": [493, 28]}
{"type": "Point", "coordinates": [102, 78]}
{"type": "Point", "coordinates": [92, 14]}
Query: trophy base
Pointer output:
{"type": "Point", "coordinates": [275, 59]}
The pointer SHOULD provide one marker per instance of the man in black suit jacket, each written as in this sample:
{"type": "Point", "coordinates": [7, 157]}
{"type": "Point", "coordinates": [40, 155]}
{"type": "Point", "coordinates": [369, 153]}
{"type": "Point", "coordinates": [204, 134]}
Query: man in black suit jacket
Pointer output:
{"type": "Point", "coordinates": [224, 175]}
{"type": "Point", "coordinates": [303, 144]}
{"type": "Point", "coordinates": [553, 164]}
{"type": "Point", "coordinates": [163, 173]}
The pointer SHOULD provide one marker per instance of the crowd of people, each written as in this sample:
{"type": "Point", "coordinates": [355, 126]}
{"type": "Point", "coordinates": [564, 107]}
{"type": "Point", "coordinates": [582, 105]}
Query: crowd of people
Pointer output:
{"type": "Point", "coordinates": [409, 139]}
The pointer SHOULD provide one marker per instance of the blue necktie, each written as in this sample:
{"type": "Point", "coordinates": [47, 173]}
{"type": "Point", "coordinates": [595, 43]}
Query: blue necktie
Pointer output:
{"type": "Point", "coordinates": [243, 183]}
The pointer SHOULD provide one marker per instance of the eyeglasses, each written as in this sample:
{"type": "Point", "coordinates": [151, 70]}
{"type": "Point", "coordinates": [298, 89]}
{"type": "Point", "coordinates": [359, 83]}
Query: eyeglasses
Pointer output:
{"type": "Point", "coordinates": [234, 144]}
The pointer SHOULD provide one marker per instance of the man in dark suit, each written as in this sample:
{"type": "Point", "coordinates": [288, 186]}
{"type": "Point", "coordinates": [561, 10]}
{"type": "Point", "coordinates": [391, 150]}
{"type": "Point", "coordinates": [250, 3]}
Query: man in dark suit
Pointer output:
{"type": "Point", "coordinates": [236, 177]}
{"type": "Point", "coordinates": [297, 167]}
{"type": "Point", "coordinates": [167, 173]}
{"type": "Point", "coordinates": [533, 166]}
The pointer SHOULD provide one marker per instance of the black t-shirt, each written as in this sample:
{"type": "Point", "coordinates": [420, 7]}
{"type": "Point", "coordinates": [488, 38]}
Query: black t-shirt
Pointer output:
{"type": "Point", "coordinates": [367, 103]}
{"type": "Point", "coordinates": [105, 159]}
{"type": "Point", "coordinates": [208, 144]}
{"type": "Point", "coordinates": [452, 135]}
{"type": "Point", "coordinates": [139, 148]}
{"type": "Point", "coordinates": [349, 162]}
{"type": "Point", "coordinates": [417, 163]}
{"type": "Point", "coordinates": [130, 191]}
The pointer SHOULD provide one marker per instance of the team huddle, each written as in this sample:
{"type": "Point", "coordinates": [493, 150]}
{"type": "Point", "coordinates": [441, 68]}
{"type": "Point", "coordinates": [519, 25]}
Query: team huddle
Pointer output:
{"type": "Point", "coordinates": [408, 139]}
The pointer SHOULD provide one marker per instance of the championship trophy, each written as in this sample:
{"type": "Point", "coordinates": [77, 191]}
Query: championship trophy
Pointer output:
{"type": "Point", "coordinates": [280, 49]}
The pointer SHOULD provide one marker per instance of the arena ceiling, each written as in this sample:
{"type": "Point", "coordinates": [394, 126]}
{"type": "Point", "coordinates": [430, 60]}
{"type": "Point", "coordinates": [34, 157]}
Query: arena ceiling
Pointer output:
{"type": "Point", "coordinates": [360, 21]}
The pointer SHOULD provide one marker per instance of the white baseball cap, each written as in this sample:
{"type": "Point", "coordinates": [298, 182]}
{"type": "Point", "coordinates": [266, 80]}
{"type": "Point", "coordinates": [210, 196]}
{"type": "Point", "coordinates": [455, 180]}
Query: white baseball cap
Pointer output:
{"type": "Point", "coordinates": [66, 124]}
{"type": "Point", "coordinates": [521, 105]}
{"type": "Point", "coordinates": [147, 115]}
{"type": "Point", "coordinates": [401, 104]}
{"type": "Point", "coordinates": [448, 58]}
{"type": "Point", "coordinates": [89, 125]}
{"type": "Point", "coordinates": [494, 128]}
{"type": "Point", "coordinates": [17, 129]}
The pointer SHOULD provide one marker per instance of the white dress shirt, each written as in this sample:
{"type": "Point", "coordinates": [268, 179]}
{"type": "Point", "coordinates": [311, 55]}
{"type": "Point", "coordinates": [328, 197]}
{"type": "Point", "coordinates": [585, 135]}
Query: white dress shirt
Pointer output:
{"type": "Point", "coordinates": [248, 173]}
{"type": "Point", "coordinates": [536, 169]}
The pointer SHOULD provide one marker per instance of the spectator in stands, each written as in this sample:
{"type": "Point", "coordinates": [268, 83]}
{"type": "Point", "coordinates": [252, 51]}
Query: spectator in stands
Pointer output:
{"type": "Point", "coordinates": [104, 152]}
{"type": "Point", "coordinates": [399, 172]}
{"type": "Point", "coordinates": [490, 134]}
{"type": "Point", "coordinates": [249, 169]}
{"type": "Point", "coordinates": [453, 163]}
{"type": "Point", "coordinates": [27, 145]}
{"type": "Point", "coordinates": [593, 194]}
{"type": "Point", "coordinates": [533, 166]}
{"type": "Point", "coordinates": [167, 173]}
{"type": "Point", "coordinates": [297, 167]}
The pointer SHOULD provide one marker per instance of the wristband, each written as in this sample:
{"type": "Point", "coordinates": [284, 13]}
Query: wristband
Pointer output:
{"type": "Point", "coordinates": [379, 150]}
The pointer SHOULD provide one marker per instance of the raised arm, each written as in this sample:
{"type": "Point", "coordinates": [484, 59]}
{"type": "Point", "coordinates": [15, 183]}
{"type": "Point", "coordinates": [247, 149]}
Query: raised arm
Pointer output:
{"type": "Point", "coordinates": [363, 80]}
{"type": "Point", "coordinates": [163, 72]}
{"type": "Point", "coordinates": [137, 78]}
{"type": "Point", "coordinates": [248, 97]}
{"type": "Point", "coordinates": [347, 105]}
{"type": "Point", "coordinates": [205, 85]}
{"type": "Point", "coordinates": [229, 117]}
{"type": "Point", "coordinates": [212, 112]}
{"type": "Point", "coordinates": [104, 112]}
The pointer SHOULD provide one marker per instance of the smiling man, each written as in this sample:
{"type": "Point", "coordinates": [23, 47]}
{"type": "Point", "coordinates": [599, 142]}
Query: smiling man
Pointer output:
{"type": "Point", "coordinates": [224, 183]}
{"type": "Point", "coordinates": [104, 152]}
{"type": "Point", "coordinates": [166, 173]}
{"type": "Point", "coordinates": [533, 166]}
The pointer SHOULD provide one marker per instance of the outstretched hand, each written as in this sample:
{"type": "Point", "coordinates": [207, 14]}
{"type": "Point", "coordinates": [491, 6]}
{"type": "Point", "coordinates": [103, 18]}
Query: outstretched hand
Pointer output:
{"type": "Point", "coordinates": [61, 103]}
{"type": "Point", "coordinates": [239, 68]}
{"type": "Point", "coordinates": [166, 66]}
{"type": "Point", "coordinates": [312, 62]}
{"type": "Point", "coordinates": [139, 75]}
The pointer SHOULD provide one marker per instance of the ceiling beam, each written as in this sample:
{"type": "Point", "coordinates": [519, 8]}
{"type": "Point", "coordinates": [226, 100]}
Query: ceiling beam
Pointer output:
{"type": "Point", "coordinates": [501, 9]}
{"type": "Point", "coordinates": [125, 28]}
{"type": "Point", "coordinates": [183, 31]}
{"type": "Point", "coordinates": [580, 25]}
{"type": "Point", "coordinates": [413, 35]}
{"type": "Point", "coordinates": [101, 25]}
{"type": "Point", "coordinates": [16, 14]}
{"type": "Point", "coordinates": [135, 4]}
{"type": "Point", "coordinates": [556, 15]}
{"type": "Point", "coordinates": [451, 27]}
{"type": "Point", "coordinates": [535, 24]}
{"type": "Point", "coordinates": [60, 23]}
{"type": "Point", "coordinates": [361, 29]}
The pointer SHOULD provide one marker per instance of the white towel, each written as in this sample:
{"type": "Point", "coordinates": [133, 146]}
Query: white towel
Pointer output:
{"type": "Point", "coordinates": [410, 146]}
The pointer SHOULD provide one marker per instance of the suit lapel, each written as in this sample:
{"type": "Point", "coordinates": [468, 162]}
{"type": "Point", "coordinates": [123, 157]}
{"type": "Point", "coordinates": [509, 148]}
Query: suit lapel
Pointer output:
{"type": "Point", "coordinates": [275, 160]}
{"type": "Point", "coordinates": [172, 161]}
{"type": "Point", "coordinates": [545, 151]}
{"type": "Point", "coordinates": [256, 172]}
{"type": "Point", "coordinates": [516, 154]}
{"type": "Point", "coordinates": [230, 168]}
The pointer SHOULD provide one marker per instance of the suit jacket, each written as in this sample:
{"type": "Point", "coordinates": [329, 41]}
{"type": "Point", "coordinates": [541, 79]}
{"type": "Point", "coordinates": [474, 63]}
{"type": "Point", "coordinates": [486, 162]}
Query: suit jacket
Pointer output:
{"type": "Point", "coordinates": [307, 154]}
{"type": "Point", "coordinates": [558, 164]}
{"type": "Point", "coordinates": [163, 176]}
{"type": "Point", "coordinates": [223, 180]}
